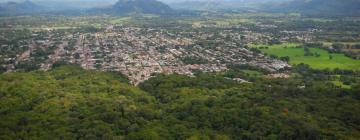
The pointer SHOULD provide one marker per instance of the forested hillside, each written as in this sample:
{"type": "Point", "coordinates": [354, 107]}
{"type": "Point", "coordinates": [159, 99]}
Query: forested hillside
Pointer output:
{"type": "Point", "coordinates": [71, 103]}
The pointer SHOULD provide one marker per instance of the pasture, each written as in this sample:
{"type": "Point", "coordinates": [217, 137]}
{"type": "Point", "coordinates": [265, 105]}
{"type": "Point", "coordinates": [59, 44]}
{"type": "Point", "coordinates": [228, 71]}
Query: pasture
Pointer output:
{"type": "Point", "coordinates": [323, 59]}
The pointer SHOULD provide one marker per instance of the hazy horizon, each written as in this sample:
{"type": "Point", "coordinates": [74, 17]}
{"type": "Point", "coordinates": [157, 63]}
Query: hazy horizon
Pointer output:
{"type": "Point", "coordinates": [167, 1]}
{"type": "Point", "coordinates": [105, 3]}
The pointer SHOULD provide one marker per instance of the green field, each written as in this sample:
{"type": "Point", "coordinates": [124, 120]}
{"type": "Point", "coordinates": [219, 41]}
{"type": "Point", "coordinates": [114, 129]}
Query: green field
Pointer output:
{"type": "Point", "coordinates": [321, 62]}
{"type": "Point", "coordinates": [120, 20]}
{"type": "Point", "coordinates": [341, 84]}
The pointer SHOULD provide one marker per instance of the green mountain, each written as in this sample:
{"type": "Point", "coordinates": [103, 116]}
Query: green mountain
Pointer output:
{"type": "Point", "coordinates": [141, 6]}
{"type": "Point", "coordinates": [71, 103]}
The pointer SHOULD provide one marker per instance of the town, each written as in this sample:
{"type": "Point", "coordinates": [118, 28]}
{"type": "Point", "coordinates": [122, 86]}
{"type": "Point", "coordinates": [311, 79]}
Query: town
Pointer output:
{"type": "Point", "coordinates": [140, 53]}
{"type": "Point", "coordinates": [141, 47]}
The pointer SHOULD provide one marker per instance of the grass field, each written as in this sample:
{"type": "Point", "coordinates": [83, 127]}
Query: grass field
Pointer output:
{"type": "Point", "coordinates": [120, 20]}
{"type": "Point", "coordinates": [321, 62]}
{"type": "Point", "coordinates": [224, 21]}
{"type": "Point", "coordinates": [341, 84]}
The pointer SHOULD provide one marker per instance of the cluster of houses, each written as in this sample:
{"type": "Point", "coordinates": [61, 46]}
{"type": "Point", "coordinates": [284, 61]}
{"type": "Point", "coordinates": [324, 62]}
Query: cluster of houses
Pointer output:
{"type": "Point", "coordinates": [140, 53]}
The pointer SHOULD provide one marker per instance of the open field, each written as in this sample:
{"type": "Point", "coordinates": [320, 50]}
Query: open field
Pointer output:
{"type": "Point", "coordinates": [341, 84]}
{"type": "Point", "coordinates": [322, 61]}
{"type": "Point", "coordinates": [326, 43]}
{"type": "Point", "coordinates": [120, 20]}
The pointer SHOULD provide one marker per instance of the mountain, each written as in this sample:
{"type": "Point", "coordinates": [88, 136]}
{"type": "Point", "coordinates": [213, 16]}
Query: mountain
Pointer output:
{"type": "Point", "coordinates": [2, 9]}
{"type": "Point", "coordinates": [121, 7]}
{"type": "Point", "coordinates": [197, 5]}
{"type": "Point", "coordinates": [221, 4]}
{"type": "Point", "coordinates": [141, 6]}
{"type": "Point", "coordinates": [16, 8]}
{"type": "Point", "coordinates": [75, 4]}
{"type": "Point", "coordinates": [320, 7]}
{"type": "Point", "coordinates": [306, 7]}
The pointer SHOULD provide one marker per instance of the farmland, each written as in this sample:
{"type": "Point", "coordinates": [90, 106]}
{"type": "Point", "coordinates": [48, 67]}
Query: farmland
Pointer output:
{"type": "Point", "coordinates": [322, 60]}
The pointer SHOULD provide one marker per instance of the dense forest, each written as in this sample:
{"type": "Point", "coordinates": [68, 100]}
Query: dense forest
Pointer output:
{"type": "Point", "coordinates": [71, 103]}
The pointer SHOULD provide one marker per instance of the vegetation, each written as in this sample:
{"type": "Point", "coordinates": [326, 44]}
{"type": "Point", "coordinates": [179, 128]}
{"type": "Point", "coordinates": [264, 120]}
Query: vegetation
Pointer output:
{"type": "Point", "coordinates": [315, 57]}
{"type": "Point", "coordinates": [320, 100]}
{"type": "Point", "coordinates": [67, 103]}
{"type": "Point", "coordinates": [71, 103]}
{"type": "Point", "coordinates": [193, 60]}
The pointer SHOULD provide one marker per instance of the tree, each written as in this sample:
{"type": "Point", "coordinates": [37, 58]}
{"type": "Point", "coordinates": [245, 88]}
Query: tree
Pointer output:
{"type": "Point", "coordinates": [144, 134]}
{"type": "Point", "coordinates": [307, 52]}
{"type": "Point", "coordinates": [27, 66]}
{"type": "Point", "coordinates": [285, 58]}
{"type": "Point", "coordinates": [2, 69]}
{"type": "Point", "coordinates": [356, 91]}
{"type": "Point", "coordinates": [274, 56]}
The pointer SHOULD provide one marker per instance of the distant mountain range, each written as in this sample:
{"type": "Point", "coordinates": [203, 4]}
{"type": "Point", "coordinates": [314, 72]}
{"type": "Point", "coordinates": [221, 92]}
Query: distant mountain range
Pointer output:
{"type": "Point", "coordinates": [222, 4]}
{"type": "Point", "coordinates": [320, 7]}
{"type": "Point", "coordinates": [141, 6]}
{"type": "Point", "coordinates": [306, 7]}
{"type": "Point", "coordinates": [16, 8]}
{"type": "Point", "coordinates": [120, 8]}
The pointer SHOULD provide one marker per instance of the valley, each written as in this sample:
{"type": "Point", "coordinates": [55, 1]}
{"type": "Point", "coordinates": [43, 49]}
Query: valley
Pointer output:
{"type": "Point", "coordinates": [139, 47]}
{"type": "Point", "coordinates": [180, 70]}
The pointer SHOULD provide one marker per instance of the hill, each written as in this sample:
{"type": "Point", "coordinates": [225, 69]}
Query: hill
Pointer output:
{"type": "Point", "coordinates": [197, 5]}
{"type": "Point", "coordinates": [71, 103]}
{"type": "Point", "coordinates": [141, 6]}
{"type": "Point", "coordinates": [120, 8]}
{"type": "Point", "coordinates": [306, 7]}
{"type": "Point", "coordinates": [321, 7]}
{"type": "Point", "coordinates": [222, 4]}
{"type": "Point", "coordinates": [16, 8]}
